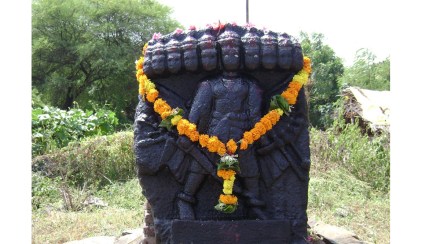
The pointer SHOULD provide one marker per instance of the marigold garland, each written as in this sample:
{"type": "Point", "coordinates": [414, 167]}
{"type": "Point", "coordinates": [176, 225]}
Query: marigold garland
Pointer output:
{"type": "Point", "coordinates": [228, 165]}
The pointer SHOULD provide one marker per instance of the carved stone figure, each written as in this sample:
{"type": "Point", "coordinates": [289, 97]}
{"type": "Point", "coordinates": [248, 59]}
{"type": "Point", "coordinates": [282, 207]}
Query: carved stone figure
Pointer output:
{"type": "Point", "coordinates": [224, 79]}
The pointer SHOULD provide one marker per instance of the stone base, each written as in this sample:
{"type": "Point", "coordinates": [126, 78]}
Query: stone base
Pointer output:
{"type": "Point", "coordinates": [239, 231]}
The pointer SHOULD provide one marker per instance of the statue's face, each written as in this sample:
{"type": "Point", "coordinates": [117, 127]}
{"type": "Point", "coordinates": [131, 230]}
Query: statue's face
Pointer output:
{"type": "Point", "coordinates": [173, 61]}
{"type": "Point", "coordinates": [209, 59]}
{"type": "Point", "coordinates": [269, 58]}
{"type": "Point", "coordinates": [285, 57]}
{"type": "Point", "coordinates": [190, 59]}
{"type": "Point", "coordinates": [251, 57]}
{"type": "Point", "coordinates": [231, 57]}
{"type": "Point", "coordinates": [158, 63]}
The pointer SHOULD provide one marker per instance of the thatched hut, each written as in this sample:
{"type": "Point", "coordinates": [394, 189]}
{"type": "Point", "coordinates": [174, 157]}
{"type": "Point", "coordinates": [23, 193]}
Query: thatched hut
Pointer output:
{"type": "Point", "coordinates": [371, 108]}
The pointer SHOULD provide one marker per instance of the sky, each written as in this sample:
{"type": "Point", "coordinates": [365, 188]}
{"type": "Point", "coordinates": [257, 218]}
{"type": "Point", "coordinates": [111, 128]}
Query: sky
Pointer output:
{"type": "Point", "coordinates": [347, 25]}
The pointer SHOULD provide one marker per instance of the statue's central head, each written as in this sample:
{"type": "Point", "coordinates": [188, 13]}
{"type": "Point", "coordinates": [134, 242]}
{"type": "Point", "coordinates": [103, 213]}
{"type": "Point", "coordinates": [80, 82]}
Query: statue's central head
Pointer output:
{"type": "Point", "coordinates": [251, 47]}
{"type": "Point", "coordinates": [230, 49]}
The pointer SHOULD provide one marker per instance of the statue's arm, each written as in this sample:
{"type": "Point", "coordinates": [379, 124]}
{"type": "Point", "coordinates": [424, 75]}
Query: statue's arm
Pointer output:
{"type": "Point", "coordinates": [255, 102]}
{"type": "Point", "coordinates": [201, 108]}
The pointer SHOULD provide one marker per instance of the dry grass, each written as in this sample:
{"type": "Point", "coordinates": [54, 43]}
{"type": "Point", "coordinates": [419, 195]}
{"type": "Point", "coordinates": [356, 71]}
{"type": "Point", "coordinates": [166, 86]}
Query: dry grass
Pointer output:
{"type": "Point", "coordinates": [60, 226]}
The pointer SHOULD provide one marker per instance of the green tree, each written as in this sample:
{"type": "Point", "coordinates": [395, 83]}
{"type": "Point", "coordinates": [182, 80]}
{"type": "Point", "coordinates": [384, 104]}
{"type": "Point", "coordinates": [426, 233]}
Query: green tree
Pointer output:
{"type": "Point", "coordinates": [85, 50]}
{"type": "Point", "coordinates": [326, 70]}
{"type": "Point", "coordinates": [367, 73]}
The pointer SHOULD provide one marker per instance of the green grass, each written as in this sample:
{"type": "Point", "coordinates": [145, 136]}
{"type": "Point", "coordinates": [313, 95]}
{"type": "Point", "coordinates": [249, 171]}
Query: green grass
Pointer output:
{"type": "Point", "coordinates": [343, 191]}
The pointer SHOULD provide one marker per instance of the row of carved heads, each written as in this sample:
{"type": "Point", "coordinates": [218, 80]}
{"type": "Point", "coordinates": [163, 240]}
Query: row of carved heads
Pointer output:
{"type": "Point", "coordinates": [230, 48]}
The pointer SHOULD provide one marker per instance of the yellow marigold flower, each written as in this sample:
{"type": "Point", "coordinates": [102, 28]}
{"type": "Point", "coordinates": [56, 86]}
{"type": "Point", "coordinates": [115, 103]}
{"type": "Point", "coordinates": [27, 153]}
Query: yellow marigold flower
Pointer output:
{"type": "Point", "coordinates": [244, 144]}
{"type": "Point", "coordinates": [228, 185]}
{"type": "Point", "coordinates": [140, 63]}
{"type": "Point", "coordinates": [193, 136]}
{"type": "Point", "coordinates": [255, 134]}
{"type": "Point", "coordinates": [152, 95]}
{"type": "Point", "coordinates": [266, 122]}
{"type": "Point", "coordinates": [247, 135]}
{"type": "Point", "coordinates": [139, 72]}
{"type": "Point", "coordinates": [228, 199]}
{"type": "Point", "coordinates": [149, 85]}
{"type": "Point", "coordinates": [260, 128]}
{"type": "Point", "coordinates": [232, 146]}
{"type": "Point", "coordinates": [165, 114]}
{"type": "Point", "coordinates": [203, 140]}
{"type": "Point", "coordinates": [213, 144]}
{"type": "Point", "coordinates": [221, 150]}
{"type": "Point", "coordinates": [226, 174]}
{"type": "Point", "coordinates": [141, 90]}
{"type": "Point", "coordinates": [144, 49]}
{"type": "Point", "coordinates": [191, 127]}
{"type": "Point", "coordinates": [280, 112]}
{"type": "Point", "coordinates": [176, 119]}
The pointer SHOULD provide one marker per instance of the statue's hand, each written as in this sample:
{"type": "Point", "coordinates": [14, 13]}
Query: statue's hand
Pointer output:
{"type": "Point", "coordinates": [184, 143]}
{"type": "Point", "coordinates": [269, 142]}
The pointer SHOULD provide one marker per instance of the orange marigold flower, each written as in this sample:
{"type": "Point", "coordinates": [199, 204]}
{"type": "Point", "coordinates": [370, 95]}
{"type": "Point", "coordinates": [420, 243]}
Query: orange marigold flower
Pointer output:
{"type": "Point", "coordinates": [226, 174]}
{"type": "Point", "coordinates": [271, 117]}
{"type": "Point", "coordinates": [228, 199]}
{"type": "Point", "coordinates": [152, 95]}
{"type": "Point", "coordinates": [213, 144]}
{"type": "Point", "coordinates": [248, 137]}
{"type": "Point", "coordinates": [255, 134]}
{"type": "Point", "coordinates": [295, 86]}
{"type": "Point", "coordinates": [260, 128]}
{"type": "Point", "coordinates": [140, 63]}
{"type": "Point", "coordinates": [290, 97]}
{"type": "Point", "coordinates": [232, 146]}
{"type": "Point", "coordinates": [144, 49]}
{"type": "Point", "coordinates": [191, 127]}
{"type": "Point", "coordinates": [203, 140]}
{"type": "Point", "coordinates": [193, 136]}
{"type": "Point", "coordinates": [266, 122]}
{"type": "Point", "coordinates": [244, 144]}
{"type": "Point", "coordinates": [182, 126]}
{"type": "Point", "coordinates": [221, 150]}
{"type": "Point", "coordinates": [307, 65]}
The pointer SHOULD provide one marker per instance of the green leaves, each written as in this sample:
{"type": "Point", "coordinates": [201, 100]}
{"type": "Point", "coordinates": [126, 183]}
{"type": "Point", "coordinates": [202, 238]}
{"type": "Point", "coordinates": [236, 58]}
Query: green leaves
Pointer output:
{"type": "Point", "coordinates": [280, 102]}
{"type": "Point", "coordinates": [225, 208]}
{"type": "Point", "coordinates": [229, 162]}
{"type": "Point", "coordinates": [167, 121]}
{"type": "Point", "coordinates": [55, 128]}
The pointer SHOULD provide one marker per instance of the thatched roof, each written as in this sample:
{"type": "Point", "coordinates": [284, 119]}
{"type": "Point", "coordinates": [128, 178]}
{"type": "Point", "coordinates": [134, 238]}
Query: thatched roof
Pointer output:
{"type": "Point", "coordinates": [372, 108]}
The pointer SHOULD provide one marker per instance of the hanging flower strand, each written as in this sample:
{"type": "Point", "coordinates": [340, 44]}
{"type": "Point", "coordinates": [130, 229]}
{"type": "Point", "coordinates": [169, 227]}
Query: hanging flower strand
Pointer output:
{"type": "Point", "coordinates": [228, 166]}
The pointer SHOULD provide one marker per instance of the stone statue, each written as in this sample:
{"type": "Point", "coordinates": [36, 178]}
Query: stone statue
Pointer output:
{"type": "Point", "coordinates": [225, 79]}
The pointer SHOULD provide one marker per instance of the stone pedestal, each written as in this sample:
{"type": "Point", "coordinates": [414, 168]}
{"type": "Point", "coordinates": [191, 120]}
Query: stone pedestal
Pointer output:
{"type": "Point", "coordinates": [241, 231]}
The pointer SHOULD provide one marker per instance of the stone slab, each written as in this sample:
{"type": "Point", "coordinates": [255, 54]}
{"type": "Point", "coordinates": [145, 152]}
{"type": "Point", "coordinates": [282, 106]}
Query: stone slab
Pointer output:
{"type": "Point", "coordinates": [222, 232]}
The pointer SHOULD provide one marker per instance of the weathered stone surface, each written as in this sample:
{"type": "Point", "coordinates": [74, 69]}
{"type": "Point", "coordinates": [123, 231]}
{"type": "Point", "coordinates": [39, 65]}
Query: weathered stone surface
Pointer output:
{"type": "Point", "coordinates": [218, 232]}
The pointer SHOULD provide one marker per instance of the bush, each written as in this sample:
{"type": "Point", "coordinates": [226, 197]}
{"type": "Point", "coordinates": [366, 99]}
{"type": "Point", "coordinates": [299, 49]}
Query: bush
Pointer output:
{"type": "Point", "coordinates": [367, 158]}
{"type": "Point", "coordinates": [54, 128]}
{"type": "Point", "coordinates": [97, 161]}
{"type": "Point", "coordinates": [45, 190]}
